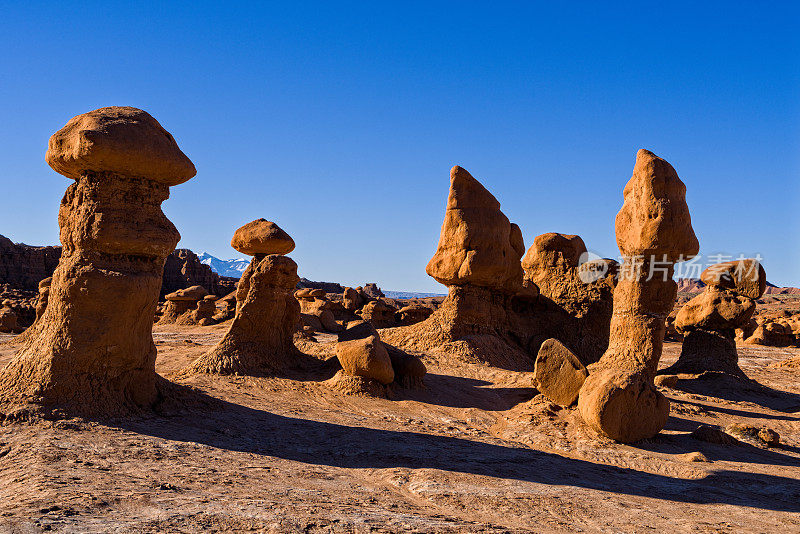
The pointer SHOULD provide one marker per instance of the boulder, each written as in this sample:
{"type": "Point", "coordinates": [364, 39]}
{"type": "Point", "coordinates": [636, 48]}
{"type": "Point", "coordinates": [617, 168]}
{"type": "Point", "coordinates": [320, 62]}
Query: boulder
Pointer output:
{"type": "Point", "coordinates": [409, 371]}
{"type": "Point", "coordinates": [715, 309]}
{"type": "Point", "coordinates": [361, 353]}
{"type": "Point", "coordinates": [559, 373]}
{"type": "Point", "coordinates": [412, 314]}
{"type": "Point", "coordinates": [379, 313]}
{"type": "Point", "coordinates": [123, 140]}
{"type": "Point", "coordinates": [190, 294]}
{"type": "Point", "coordinates": [744, 277]}
{"type": "Point", "coordinates": [351, 300]}
{"type": "Point", "coordinates": [8, 318]}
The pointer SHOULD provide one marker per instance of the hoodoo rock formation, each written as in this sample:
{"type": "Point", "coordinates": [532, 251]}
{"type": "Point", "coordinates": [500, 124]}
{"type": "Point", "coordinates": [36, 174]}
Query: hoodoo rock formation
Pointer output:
{"type": "Point", "coordinates": [260, 338]}
{"type": "Point", "coordinates": [181, 305]}
{"type": "Point", "coordinates": [92, 350]}
{"type": "Point", "coordinates": [205, 311]}
{"type": "Point", "coordinates": [654, 230]}
{"type": "Point", "coordinates": [315, 309]}
{"type": "Point", "coordinates": [497, 313]}
{"type": "Point", "coordinates": [709, 321]}
{"type": "Point", "coordinates": [478, 259]}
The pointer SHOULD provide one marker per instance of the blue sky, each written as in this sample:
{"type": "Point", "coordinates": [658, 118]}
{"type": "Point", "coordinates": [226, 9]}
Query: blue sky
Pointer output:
{"type": "Point", "coordinates": [341, 122]}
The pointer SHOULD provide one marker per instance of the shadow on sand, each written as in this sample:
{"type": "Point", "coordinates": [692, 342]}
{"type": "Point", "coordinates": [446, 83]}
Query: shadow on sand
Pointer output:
{"type": "Point", "coordinates": [460, 392]}
{"type": "Point", "coordinates": [191, 416]}
{"type": "Point", "coordinates": [732, 388]}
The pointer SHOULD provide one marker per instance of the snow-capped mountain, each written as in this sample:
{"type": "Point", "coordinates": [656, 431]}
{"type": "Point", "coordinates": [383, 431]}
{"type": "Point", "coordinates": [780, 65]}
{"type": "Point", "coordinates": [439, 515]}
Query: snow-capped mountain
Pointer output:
{"type": "Point", "coordinates": [233, 267]}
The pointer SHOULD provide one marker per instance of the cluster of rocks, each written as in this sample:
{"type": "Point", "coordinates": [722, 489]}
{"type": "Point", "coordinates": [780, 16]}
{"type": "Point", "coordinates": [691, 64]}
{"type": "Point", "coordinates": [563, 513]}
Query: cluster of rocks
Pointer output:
{"type": "Point", "coordinates": [591, 330]}
{"type": "Point", "coordinates": [190, 306]}
{"type": "Point", "coordinates": [501, 308]}
{"type": "Point", "coordinates": [369, 365]}
{"type": "Point", "coordinates": [328, 312]}
{"type": "Point", "coordinates": [778, 329]}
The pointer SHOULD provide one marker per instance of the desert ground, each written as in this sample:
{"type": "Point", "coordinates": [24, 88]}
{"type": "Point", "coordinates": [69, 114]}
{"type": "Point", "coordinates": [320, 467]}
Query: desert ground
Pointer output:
{"type": "Point", "coordinates": [477, 450]}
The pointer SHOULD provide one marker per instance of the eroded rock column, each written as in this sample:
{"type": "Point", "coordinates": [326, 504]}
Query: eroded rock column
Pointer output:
{"type": "Point", "coordinates": [92, 349]}
{"type": "Point", "coordinates": [653, 230]}
{"type": "Point", "coordinates": [260, 338]}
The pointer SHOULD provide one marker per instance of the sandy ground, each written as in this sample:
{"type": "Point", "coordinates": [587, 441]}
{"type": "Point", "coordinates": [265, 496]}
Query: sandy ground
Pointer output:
{"type": "Point", "coordinates": [476, 451]}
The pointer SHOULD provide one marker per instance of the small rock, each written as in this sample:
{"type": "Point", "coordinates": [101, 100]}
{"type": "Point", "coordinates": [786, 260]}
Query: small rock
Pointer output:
{"type": "Point", "coordinates": [770, 437]}
{"type": "Point", "coordinates": [754, 435]}
{"type": "Point", "coordinates": [712, 434]}
{"type": "Point", "coordinates": [693, 457]}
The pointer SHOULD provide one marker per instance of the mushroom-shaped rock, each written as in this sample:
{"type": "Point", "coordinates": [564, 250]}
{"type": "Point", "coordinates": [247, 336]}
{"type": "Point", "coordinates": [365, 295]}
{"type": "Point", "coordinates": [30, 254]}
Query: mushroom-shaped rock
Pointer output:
{"type": "Point", "coordinates": [206, 308]}
{"type": "Point", "coordinates": [92, 349]}
{"type": "Point", "coordinates": [181, 305]}
{"type": "Point", "coordinates": [653, 230]}
{"type": "Point", "coordinates": [261, 237]}
{"type": "Point", "coordinates": [744, 277]}
{"type": "Point", "coordinates": [709, 321]}
{"type": "Point", "coordinates": [260, 338]}
{"type": "Point", "coordinates": [120, 139]}
{"type": "Point", "coordinates": [478, 245]}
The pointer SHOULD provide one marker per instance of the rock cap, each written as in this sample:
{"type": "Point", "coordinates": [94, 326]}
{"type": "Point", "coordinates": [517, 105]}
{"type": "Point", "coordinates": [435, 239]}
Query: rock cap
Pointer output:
{"type": "Point", "coordinates": [193, 293]}
{"type": "Point", "coordinates": [119, 139]}
{"type": "Point", "coordinates": [262, 237]}
{"type": "Point", "coordinates": [745, 277]}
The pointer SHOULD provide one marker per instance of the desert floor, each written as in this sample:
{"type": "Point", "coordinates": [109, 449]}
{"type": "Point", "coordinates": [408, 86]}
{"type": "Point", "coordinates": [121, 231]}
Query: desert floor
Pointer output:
{"type": "Point", "coordinates": [476, 451]}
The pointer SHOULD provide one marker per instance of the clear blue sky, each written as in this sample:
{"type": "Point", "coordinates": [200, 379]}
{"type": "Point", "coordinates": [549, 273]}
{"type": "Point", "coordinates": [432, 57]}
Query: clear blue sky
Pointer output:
{"type": "Point", "coordinates": [341, 122]}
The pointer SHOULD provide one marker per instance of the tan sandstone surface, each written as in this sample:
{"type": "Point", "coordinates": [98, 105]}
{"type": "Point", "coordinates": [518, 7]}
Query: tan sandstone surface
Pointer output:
{"type": "Point", "coordinates": [477, 450]}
